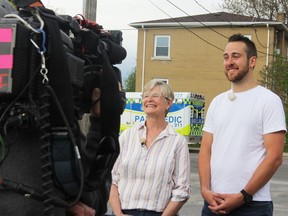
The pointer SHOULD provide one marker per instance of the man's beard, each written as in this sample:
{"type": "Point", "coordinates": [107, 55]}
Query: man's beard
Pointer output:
{"type": "Point", "coordinates": [239, 76]}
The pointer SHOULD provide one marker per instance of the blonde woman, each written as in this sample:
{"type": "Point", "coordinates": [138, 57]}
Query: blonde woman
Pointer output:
{"type": "Point", "coordinates": [151, 176]}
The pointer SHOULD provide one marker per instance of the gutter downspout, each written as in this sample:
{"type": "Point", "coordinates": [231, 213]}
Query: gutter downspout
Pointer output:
{"type": "Point", "coordinates": [143, 58]}
{"type": "Point", "coordinates": [267, 54]}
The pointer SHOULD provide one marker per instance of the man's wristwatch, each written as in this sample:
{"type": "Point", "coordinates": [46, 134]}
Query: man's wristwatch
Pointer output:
{"type": "Point", "coordinates": [247, 197]}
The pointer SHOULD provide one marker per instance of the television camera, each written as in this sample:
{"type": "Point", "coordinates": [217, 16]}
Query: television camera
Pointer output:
{"type": "Point", "coordinates": [83, 43]}
{"type": "Point", "coordinates": [49, 66]}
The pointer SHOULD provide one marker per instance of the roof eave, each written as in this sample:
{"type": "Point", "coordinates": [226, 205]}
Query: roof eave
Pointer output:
{"type": "Point", "coordinates": [278, 25]}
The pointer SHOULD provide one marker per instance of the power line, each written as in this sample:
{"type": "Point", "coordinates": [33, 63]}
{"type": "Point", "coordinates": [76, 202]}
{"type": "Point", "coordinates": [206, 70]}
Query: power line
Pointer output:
{"type": "Point", "coordinates": [256, 34]}
{"type": "Point", "coordinates": [209, 26]}
{"type": "Point", "coordinates": [202, 6]}
{"type": "Point", "coordinates": [196, 19]}
{"type": "Point", "coordinates": [186, 27]}
{"type": "Point", "coordinates": [251, 26]}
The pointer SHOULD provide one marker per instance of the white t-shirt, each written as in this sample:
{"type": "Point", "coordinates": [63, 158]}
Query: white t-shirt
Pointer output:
{"type": "Point", "coordinates": [238, 144]}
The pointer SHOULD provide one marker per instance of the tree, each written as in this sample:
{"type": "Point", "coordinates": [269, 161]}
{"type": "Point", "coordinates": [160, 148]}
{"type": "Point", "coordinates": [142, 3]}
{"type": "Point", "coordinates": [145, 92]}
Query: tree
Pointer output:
{"type": "Point", "coordinates": [129, 83]}
{"type": "Point", "coordinates": [256, 8]}
{"type": "Point", "coordinates": [275, 78]}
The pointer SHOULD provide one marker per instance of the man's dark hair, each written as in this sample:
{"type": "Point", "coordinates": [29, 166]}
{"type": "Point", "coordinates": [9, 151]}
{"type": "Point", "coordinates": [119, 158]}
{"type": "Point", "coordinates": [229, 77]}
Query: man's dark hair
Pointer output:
{"type": "Point", "coordinates": [251, 49]}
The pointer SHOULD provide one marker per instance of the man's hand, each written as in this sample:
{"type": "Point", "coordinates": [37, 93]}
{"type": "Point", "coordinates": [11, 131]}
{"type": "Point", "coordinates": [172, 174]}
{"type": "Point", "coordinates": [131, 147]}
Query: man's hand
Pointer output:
{"type": "Point", "coordinates": [226, 203]}
{"type": "Point", "coordinates": [80, 209]}
{"type": "Point", "coordinates": [211, 198]}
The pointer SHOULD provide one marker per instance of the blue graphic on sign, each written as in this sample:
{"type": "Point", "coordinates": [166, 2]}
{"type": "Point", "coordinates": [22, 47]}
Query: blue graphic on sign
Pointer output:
{"type": "Point", "coordinates": [176, 119]}
{"type": "Point", "coordinates": [139, 118]}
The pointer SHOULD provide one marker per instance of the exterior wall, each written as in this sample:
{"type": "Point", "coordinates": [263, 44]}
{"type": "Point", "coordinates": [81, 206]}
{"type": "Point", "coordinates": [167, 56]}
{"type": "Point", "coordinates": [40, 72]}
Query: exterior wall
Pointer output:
{"type": "Point", "coordinates": [195, 65]}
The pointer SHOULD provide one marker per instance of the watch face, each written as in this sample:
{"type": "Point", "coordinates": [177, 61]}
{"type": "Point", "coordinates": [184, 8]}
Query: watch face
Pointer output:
{"type": "Point", "coordinates": [248, 198]}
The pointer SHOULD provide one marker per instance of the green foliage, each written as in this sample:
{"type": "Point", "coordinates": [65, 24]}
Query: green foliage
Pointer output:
{"type": "Point", "coordinates": [129, 83]}
{"type": "Point", "coordinates": [275, 78]}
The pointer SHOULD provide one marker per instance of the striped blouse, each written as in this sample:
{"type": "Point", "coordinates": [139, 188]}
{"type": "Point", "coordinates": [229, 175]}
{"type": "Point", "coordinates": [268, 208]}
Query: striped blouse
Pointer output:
{"type": "Point", "coordinates": [150, 178]}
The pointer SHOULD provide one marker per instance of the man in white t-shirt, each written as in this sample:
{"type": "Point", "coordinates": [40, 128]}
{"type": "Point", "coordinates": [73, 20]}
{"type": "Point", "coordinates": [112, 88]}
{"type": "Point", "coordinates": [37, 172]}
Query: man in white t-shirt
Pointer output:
{"type": "Point", "coordinates": [243, 139]}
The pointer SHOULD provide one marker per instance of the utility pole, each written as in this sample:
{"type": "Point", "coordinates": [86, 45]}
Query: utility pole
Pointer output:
{"type": "Point", "coordinates": [89, 9]}
{"type": "Point", "coordinates": [89, 12]}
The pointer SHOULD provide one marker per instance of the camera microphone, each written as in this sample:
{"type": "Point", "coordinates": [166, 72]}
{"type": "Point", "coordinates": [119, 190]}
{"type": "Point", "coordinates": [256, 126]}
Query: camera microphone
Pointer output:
{"type": "Point", "coordinates": [143, 142]}
{"type": "Point", "coordinates": [231, 96]}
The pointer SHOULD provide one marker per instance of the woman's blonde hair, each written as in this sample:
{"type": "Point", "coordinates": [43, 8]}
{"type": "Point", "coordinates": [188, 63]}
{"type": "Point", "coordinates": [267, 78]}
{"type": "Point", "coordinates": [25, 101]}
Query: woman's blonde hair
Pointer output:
{"type": "Point", "coordinates": [166, 89]}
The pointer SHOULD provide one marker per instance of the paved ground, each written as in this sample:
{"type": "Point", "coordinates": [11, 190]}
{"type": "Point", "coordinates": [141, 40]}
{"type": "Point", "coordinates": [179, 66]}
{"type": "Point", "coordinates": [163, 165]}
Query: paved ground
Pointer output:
{"type": "Point", "coordinates": [279, 189]}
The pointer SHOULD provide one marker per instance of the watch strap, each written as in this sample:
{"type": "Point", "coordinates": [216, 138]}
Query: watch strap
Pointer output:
{"type": "Point", "coordinates": [247, 197]}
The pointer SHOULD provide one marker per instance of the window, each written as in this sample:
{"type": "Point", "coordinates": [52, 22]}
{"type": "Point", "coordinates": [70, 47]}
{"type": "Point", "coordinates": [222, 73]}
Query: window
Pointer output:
{"type": "Point", "coordinates": [162, 47]}
{"type": "Point", "coordinates": [248, 36]}
{"type": "Point", "coordinates": [161, 79]}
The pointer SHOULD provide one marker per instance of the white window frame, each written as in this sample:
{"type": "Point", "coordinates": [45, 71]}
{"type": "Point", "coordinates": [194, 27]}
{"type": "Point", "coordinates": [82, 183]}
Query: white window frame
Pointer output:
{"type": "Point", "coordinates": [248, 36]}
{"type": "Point", "coordinates": [156, 45]}
{"type": "Point", "coordinates": [162, 80]}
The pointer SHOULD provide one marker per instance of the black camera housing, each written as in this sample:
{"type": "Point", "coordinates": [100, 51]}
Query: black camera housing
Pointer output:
{"type": "Point", "coordinates": [75, 64]}
{"type": "Point", "coordinates": [47, 85]}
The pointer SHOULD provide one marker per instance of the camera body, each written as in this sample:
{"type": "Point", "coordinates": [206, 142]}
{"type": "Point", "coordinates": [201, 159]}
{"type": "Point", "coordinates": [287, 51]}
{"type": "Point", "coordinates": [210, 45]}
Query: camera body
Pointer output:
{"type": "Point", "coordinates": [74, 64]}
{"type": "Point", "coordinates": [49, 66]}
{"type": "Point", "coordinates": [17, 62]}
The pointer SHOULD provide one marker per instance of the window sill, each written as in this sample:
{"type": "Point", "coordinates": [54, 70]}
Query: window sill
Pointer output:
{"type": "Point", "coordinates": [161, 58]}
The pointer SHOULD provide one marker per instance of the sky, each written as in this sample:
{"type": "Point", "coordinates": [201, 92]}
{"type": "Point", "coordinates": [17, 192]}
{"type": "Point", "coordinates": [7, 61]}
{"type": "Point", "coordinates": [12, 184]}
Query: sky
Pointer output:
{"type": "Point", "coordinates": [118, 14]}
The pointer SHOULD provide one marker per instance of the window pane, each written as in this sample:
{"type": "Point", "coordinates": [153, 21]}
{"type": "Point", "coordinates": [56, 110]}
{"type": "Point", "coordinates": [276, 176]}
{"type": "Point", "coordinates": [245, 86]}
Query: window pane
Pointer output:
{"type": "Point", "coordinates": [162, 41]}
{"type": "Point", "coordinates": [162, 51]}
